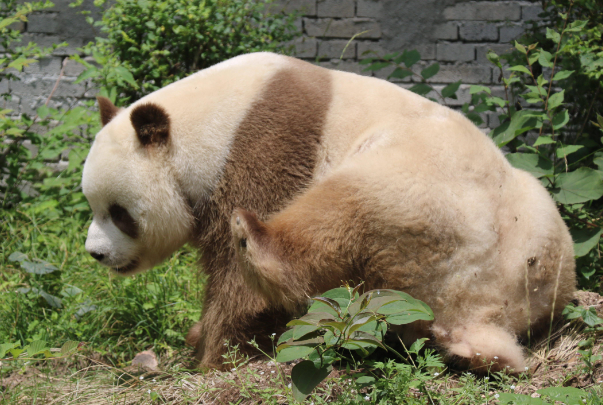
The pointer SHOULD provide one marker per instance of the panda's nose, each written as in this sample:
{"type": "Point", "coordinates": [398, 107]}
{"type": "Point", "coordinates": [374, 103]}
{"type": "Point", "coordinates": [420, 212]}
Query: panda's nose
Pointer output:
{"type": "Point", "coordinates": [97, 256]}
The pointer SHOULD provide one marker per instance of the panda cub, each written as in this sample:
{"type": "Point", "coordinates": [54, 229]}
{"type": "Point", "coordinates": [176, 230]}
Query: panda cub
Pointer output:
{"type": "Point", "coordinates": [291, 179]}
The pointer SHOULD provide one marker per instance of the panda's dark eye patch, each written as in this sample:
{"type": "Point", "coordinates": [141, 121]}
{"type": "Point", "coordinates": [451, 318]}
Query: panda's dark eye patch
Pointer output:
{"type": "Point", "coordinates": [123, 220]}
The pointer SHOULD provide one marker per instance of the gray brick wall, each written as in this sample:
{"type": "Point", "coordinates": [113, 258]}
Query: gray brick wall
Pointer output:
{"type": "Point", "coordinates": [455, 33]}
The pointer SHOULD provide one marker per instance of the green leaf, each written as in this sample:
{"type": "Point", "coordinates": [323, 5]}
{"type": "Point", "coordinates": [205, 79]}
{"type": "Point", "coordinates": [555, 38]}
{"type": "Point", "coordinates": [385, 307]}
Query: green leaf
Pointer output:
{"type": "Point", "coordinates": [589, 316]}
{"type": "Point", "coordinates": [430, 71]}
{"type": "Point", "coordinates": [545, 59]}
{"type": "Point", "coordinates": [6, 347]}
{"type": "Point", "coordinates": [87, 74]}
{"type": "Point", "coordinates": [38, 268]}
{"type": "Point", "coordinates": [293, 353]}
{"type": "Point", "coordinates": [305, 377]}
{"type": "Point", "coordinates": [399, 73]}
{"type": "Point", "coordinates": [567, 395]}
{"type": "Point", "coordinates": [532, 163]}
{"type": "Point", "coordinates": [493, 58]}
{"type": "Point", "coordinates": [478, 89]}
{"type": "Point", "coordinates": [334, 305]}
{"type": "Point", "coordinates": [543, 140]}
{"type": "Point", "coordinates": [519, 399]}
{"type": "Point", "coordinates": [360, 321]}
{"type": "Point", "coordinates": [564, 74]}
{"type": "Point", "coordinates": [69, 347]}
{"type": "Point", "coordinates": [581, 185]}
{"type": "Point", "coordinates": [421, 89]}
{"type": "Point", "coordinates": [585, 240]}
{"type": "Point", "coordinates": [560, 119]}
{"type": "Point", "coordinates": [376, 66]}
{"type": "Point", "coordinates": [17, 257]}
{"type": "Point", "coordinates": [302, 330]}
{"type": "Point", "coordinates": [567, 150]}
{"type": "Point", "coordinates": [410, 57]}
{"type": "Point", "coordinates": [450, 90]}
{"type": "Point", "coordinates": [409, 317]}
{"type": "Point", "coordinates": [53, 301]}
{"type": "Point", "coordinates": [519, 68]}
{"type": "Point", "coordinates": [35, 347]}
{"type": "Point", "coordinates": [125, 74]}
{"type": "Point", "coordinates": [555, 100]}
{"type": "Point", "coordinates": [522, 121]}
{"type": "Point", "coordinates": [520, 48]}
{"type": "Point", "coordinates": [553, 35]}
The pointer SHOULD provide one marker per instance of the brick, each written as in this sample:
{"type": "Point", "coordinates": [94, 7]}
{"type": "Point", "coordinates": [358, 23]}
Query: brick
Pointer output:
{"type": "Point", "coordinates": [345, 66]}
{"type": "Point", "coordinates": [304, 47]}
{"type": "Point", "coordinates": [3, 88]}
{"type": "Point", "coordinates": [482, 50]}
{"type": "Point", "coordinates": [305, 7]}
{"type": "Point", "coordinates": [465, 73]}
{"type": "Point", "coordinates": [370, 49]}
{"type": "Point", "coordinates": [335, 8]}
{"type": "Point", "coordinates": [449, 31]}
{"type": "Point", "coordinates": [478, 31]}
{"type": "Point", "coordinates": [484, 10]}
{"type": "Point", "coordinates": [531, 12]}
{"type": "Point", "coordinates": [43, 23]}
{"type": "Point", "coordinates": [47, 66]}
{"type": "Point", "coordinates": [453, 52]}
{"type": "Point", "coordinates": [73, 68]}
{"type": "Point", "coordinates": [333, 49]}
{"type": "Point", "coordinates": [43, 88]}
{"type": "Point", "coordinates": [345, 28]}
{"type": "Point", "coordinates": [510, 33]}
{"type": "Point", "coordinates": [369, 8]}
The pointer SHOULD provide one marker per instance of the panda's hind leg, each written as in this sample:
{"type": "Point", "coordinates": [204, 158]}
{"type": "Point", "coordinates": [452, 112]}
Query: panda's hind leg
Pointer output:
{"type": "Point", "coordinates": [481, 347]}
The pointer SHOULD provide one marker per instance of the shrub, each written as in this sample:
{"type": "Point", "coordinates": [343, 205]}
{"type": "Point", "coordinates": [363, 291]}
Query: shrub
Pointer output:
{"type": "Point", "coordinates": [152, 43]}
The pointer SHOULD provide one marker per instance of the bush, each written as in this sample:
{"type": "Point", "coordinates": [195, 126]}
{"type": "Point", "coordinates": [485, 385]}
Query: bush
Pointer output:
{"type": "Point", "coordinates": [152, 43]}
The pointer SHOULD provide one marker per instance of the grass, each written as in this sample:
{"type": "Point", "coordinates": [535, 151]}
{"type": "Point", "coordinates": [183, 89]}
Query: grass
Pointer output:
{"type": "Point", "coordinates": [119, 317]}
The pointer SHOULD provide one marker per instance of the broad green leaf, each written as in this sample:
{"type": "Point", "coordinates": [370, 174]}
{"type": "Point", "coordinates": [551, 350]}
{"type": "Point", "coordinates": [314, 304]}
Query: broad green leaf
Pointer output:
{"type": "Point", "coordinates": [553, 35]}
{"type": "Point", "coordinates": [305, 377]}
{"type": "Point", "coordinates": [581, 185]}
{"type": "Point", "coordinates": [409, 317]}
{"type": "Point", "coordinates": [53, 301]}
{"type": "Point", "coordinates": [293, 353]}
{"type": "Point", "coordinates": [564, 74]}
{"type": "Point", "coordinates": [5, 347]}
{"type": "Point", "coordinates": [15, 352]}
{"type": "Point", "coordinates": [17, 257]}
{"type": "Point", "coordinates": [417, 345]}
{"type": "Point", "coordinates": [38, 268]}
{"type": "Point", "coordinates": [519, 399]}
{"type": "Point", "coordinates": [302, 330]}
{"type": "Point", "coordinates": [125, 74]}
{"type": "Point", "coordinates": [410, 57]}
{"type": "Point", "coordinates": [341, 295]}
{"type": "Point", "coordinates": [330, 302]}
{"type": "Point", "coordinates": [545, 59]}
{"type": "Point", "coordinates": [567, 395]}
{"type": "Point", "coordinates": [543, 140]}
{"type": "Point", "coordinates": [519, 68]}
{"type": "Point", "coordinates": [71, 291]}
{"type": "Point", "coordinates": [35, 347]}
{"type": "Point", "coordinates": [477, 89]}
{"type": "Point", "coordinates": [493, 58]}
{"type": "Point", "coordinates": [555, 100]}
{"type": "Point", "coordinates": [288, 334]}
{"type": "Point", "coordinates": [450, 90]}
{"type": "Point", "coordinates": [360, 321]}
{"type": "Point", "coordinates": [421, 89]}
{"type": "Point", "coordinates": [560, 119]}
{"type": "Point", "coordinates": [520, 48]}
{"type": "Point", "coordinates": [589, 316]}
{"type": "Point", "coordinates": [340, 326]}
{"type": "Point", "coordinates": [576, 26]}
{"type": "Point", "coordinates": [522, 121]}
{"type": "Point", "coordinates": [430, 71]}
{"type": "Point", "coordinates": [365, 380]}
{"type": "Point", "coordinates": [400, 73]}
{"type": "Point", "coordinates": [567, 150]}
{"type": "Point", "coordinates": [69, 347]}
{"type": "Point", "coordinates": [585, 240]}
{"type": "Point", "coordinates": [376, 66]}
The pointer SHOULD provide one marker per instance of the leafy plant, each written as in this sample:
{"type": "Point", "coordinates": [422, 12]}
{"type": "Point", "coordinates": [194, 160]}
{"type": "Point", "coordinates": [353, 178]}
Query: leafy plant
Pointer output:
{"type": "Point", "coordinates": [586, 347]}
{"type": "Point", "coordinates": [149, 44]}
{"type": "Point", "coordinates": [344, 321]}
{"type": "Point", "coordinates": [566, 395]}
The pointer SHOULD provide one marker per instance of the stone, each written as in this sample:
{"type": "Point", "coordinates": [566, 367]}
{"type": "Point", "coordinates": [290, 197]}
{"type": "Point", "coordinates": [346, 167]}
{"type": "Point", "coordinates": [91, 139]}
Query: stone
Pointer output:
{"type": "Point", "coordinates": [305, 7]}
{"type": "Point", "coordinates": [49, 66]}
{"type": "Point", "coordinates": [43, 23]}
{"type": "Point", "coordinates": [510, 33]}
{"type": "Point", "coordinates": [531, 12]}
{"type": "Point", "coordinates": [369, 8]}
{"type": "Point", "coordinates": [478, 31]}
{"type": "Point", "coordinates": [73, 68]}
{"type": "Point", "coordinates": [333, 49]}
{"type": "Point", "coordinates": [464, 73]}
{"type": "Point", "coordinates": [449, 31]}
{"type": "Point", "coordinates": [335, 8]}
{"type": "Point", "coordinates": [499, 49]}
{"type": "Point", "coordinates": [484, 10]}
{"type": "Point", "coordinates": [345, 28]}
{"type": "Point", "coordinates": [304, 47]}
{"type": "Point", "coordinates": [455, 52]}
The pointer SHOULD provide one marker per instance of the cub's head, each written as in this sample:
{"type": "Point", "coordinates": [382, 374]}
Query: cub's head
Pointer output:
{"type": "Point", "coordinates": [140, 214]}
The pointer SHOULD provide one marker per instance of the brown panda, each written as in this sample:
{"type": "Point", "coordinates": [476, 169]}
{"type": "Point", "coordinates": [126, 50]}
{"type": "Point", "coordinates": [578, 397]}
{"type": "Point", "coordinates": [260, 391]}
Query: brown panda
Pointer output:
{"type": "Point", "coordinates": [339, 177]}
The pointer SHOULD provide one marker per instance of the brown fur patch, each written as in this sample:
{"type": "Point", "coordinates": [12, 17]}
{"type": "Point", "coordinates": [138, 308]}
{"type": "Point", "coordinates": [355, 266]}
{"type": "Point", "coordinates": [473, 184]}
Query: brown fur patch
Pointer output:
{"type": "Point", "coordinates": [272, 159]}
{"type": "Point", "coordinates": [107, 109]}
{"type": "Point", "coordinates": [152, 124]}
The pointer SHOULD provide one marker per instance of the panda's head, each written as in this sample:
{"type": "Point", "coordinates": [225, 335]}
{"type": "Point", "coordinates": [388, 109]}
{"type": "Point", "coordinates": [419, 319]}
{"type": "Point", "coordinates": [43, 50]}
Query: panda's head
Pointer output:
{"type": "Point", "coordinates": [140, 214]}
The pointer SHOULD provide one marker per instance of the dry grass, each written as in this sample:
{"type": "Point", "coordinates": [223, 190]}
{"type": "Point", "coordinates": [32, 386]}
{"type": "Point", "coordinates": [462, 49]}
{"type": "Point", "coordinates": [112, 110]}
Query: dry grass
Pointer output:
{"type": "Point", "coordinates": [87, 380]}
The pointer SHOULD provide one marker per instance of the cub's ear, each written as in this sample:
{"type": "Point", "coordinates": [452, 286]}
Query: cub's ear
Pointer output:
{"type": "Point", "coordinates": [151, 123]}
{"type": "Point", "coordinates": [246, 225]}
{"type": "Point", "coordinates": [107, 109]}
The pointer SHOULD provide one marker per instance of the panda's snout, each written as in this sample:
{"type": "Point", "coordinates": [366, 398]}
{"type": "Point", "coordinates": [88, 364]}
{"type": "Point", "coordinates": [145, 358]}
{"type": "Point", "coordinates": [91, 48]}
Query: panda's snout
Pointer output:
{"type": "Point", "coordinates": [97, 256]}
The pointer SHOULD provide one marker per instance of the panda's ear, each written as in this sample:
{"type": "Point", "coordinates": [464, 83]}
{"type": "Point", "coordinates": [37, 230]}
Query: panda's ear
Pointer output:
{"type": "Point", "coordinates": [151, 123]}
{"type": "Point", "coordinates": [107, 109]}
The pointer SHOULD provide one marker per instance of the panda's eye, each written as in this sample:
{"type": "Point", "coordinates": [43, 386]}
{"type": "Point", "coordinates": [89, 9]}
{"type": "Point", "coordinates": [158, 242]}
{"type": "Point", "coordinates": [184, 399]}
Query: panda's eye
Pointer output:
{"type": "Point", "coordinates": [123, 220]}
{"type": "Point", "coordinates": [243, 243]}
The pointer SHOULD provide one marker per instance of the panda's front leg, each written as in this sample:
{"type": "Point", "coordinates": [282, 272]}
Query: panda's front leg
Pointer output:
{"type": "Point", "coordinates": [232, 316]}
